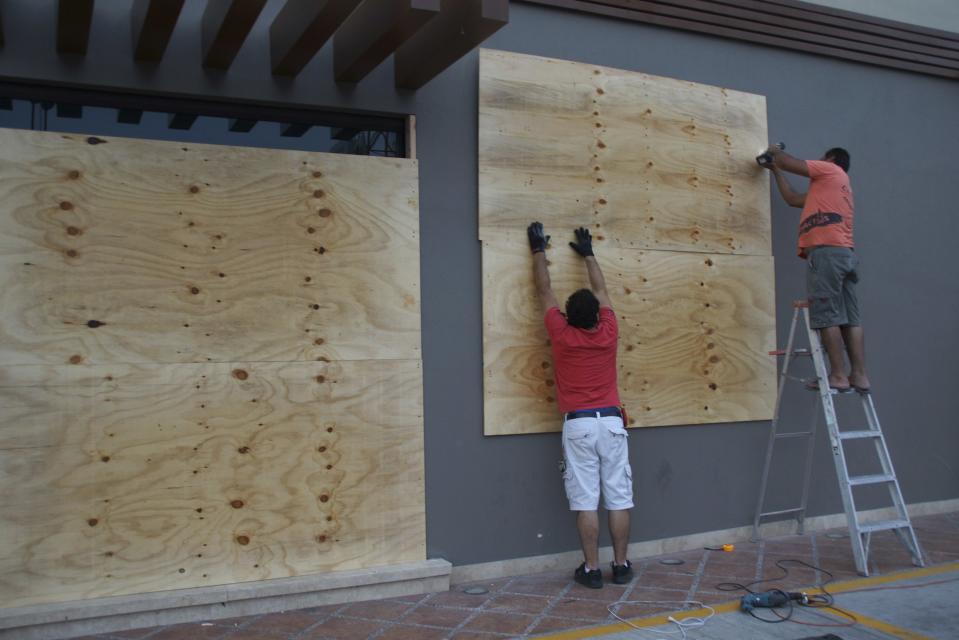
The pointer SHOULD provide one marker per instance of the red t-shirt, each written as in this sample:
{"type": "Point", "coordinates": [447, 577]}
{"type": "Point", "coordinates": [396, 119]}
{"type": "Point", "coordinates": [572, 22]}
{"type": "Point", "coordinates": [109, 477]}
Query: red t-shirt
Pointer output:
{"type": "Point", "coordinates": [827, 215]}
{"type": "Point", "coordinates": [584, 361]}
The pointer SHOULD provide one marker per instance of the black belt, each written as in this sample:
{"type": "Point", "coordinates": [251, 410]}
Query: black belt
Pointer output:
{"type": "Point", "coordinates": [605, 412]}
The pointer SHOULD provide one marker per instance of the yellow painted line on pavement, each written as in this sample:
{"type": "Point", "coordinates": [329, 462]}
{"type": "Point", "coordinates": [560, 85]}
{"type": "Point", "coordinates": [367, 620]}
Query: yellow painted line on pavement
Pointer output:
{"type": "Point", "coordinates": [726, 607]}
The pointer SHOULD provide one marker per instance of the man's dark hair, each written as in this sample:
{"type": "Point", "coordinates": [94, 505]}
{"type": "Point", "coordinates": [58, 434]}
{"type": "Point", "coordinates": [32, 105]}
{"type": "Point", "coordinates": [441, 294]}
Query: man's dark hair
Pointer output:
{"type": "Point", "coordinates": [839, 156]}
{"type": "Point", "coordinates": [582, 309]}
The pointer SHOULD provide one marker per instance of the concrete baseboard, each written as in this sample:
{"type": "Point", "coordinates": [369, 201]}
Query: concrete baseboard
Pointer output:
{"type": "Point", "coordinates": [103, 615]}
{"type": "Point", "coordinates": [569, 559]}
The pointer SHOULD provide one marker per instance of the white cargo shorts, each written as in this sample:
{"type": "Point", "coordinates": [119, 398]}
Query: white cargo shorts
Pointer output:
{"type": "Point", "coordinates": [596, 455]}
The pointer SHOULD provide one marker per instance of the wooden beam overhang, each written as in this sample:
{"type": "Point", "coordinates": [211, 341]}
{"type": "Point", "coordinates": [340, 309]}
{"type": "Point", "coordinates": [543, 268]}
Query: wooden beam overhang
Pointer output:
{"type": "Point", "coordinates": [152, 23]}
{"type": "Point", "coordinates": [182, 121]}
{"type": "Point", "coordinates": [294, 129]}
{"type": "Point", "coordinates": [73, 25]}
{"type": "Point", "coordinates": [793, 24]}
{"type": "Point", "coordinates": [129, 116]}
{"type": "Point", "coordinates": [374, 31]}
{"type": "Point", "coordinates": [301, 28]}
{"type": "Point", "coordinates": [241, 126]}
{"type": "Point", "coordinates": [460, 27]}
{"type": "Point", "coordinates": [225, 26]}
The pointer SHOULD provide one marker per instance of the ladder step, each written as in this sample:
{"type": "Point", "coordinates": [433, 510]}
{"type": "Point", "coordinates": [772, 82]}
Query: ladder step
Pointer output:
{"type": "Point", "coordinates": [781, 512]}
{"type": "Point", "coordinates": [873, 479]}
{"type": "Point", "coordinates": [796, 352]}
{"type": "Point", "coordinates": [883, 526]}
{"type": "Point", "coordinates": [853, 435]}
{"type": "Point", "coordinates": [794, 434]}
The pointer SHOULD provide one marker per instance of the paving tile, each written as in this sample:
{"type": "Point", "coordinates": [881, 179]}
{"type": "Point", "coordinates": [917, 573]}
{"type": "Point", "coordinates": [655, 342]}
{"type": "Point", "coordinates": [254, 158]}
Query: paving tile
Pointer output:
{"type": "Point", "coordinates": [378, 609]}
{"type": "Point", "coordinates": [539, 586]}
{"type": "Point", "coordinates": [191, 631]}
{"type": "Point", "coordinates": [479, 635]}
{"type": "Point", "coordinates": [336, 627]}
{"type": "Point", "coordinates": [436, 616]}
{"type": "Point", "coordinates": [458, 599]}
{"type": "Point", "coordinates": [553, 624]}
{"type": "Point", "coordinates": [286, 622]}
{"type": "Point", "coordinates": [519, 603]}
{"type": "Point", "coordinates": [609, 593]}
{"type": "Point", "coordinates": [412, 632]}
{"type": "Point", "coordinates": [255, 634]}
{"type": "Point", "coordinates": [679, 581]}
{"type": "Point", "coordinates": [629, 611]}
{"type": "Point", "coordinates": [511, 623]}
{"type": "Point", "coordinates": [575, 608]}
{"type": "Point", "coordinates": [132, 634]}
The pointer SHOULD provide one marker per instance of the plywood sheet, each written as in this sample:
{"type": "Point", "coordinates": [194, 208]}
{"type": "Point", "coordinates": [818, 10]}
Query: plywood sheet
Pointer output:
{"type": "Point", "coordinates": [203, 253]}
{"type": "Point", "coordinates": [174, 476]}
{"type": "Point", "coordinates": [695, 330]}
{"type": "Point", "coordinates": [211, 366]}
{"type": "Point", "coordinates": [647, 162]}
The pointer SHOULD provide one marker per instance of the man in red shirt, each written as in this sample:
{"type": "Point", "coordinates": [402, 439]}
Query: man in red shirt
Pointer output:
{"type": "Point", "coordinates": [825, 241]}
{"type": "Point", "coordinates": [595, 451]}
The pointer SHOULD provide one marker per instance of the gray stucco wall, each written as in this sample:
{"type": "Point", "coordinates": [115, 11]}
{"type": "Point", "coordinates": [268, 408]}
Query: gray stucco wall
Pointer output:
{"type": "Point", "coordinates": [498, 498]}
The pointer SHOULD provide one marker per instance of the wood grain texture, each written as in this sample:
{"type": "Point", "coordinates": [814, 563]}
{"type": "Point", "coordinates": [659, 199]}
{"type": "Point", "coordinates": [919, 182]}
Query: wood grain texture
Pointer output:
{"type": "Point", "coordinates": [203, 253]}
{"type": "Point", "coordinates": [656, 163]}
{"type": "Point", "coordinates": [173, 476]}
{"type": "Point", "coordinates": [694, 333]}
{"type": "Point", "coordinates": [211, 366]}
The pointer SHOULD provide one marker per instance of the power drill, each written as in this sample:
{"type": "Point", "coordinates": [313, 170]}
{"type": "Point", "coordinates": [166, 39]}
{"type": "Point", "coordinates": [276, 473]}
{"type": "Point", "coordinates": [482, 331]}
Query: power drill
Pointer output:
{"type": "Point", "coordinates": [765, 158]}
{"type": "Point", "coordinates": [771, 599]}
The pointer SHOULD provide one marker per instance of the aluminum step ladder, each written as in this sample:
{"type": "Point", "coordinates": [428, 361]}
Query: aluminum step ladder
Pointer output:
{"type": "Point", "coordinates": [859, 533]}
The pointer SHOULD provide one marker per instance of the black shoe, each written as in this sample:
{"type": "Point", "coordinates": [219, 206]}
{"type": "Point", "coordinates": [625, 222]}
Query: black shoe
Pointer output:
{"type": "Point", "coordinates": [622, 574]}
{"type": "Point", "coordinates": [592, 579]}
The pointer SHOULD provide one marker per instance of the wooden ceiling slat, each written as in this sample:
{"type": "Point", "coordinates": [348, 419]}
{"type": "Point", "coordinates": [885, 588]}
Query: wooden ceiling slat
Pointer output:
{"type": "Point", "coordinates": [374, 31]}
{"type": "Point", "coordinates": [182, 121]}
{"type": "Point", "coordinates": [745, 16]}
{"type": "Point", "coordinates": [73, 25]}
{"type": "Point", "coordinates": [225, 26]}
{"type": "Point", "coordinates": [460, 27]}
{"type": "Point", "coordinates": [301, 28]}
{"type": "Point", "coordinates": [241, 126]}
{"type": "Point", "coordinates": [129, 116]}
{"type": "Point", "coordinates": [721, 15]}
{"type": "Point", "coordinates": [756, 33]}
{"type": "Point", "coordinates": [152, 22]}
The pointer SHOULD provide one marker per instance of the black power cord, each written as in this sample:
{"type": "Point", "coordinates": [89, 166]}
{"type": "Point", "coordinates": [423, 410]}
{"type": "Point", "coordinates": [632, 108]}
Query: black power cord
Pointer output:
{"type": "Point", "coordinates": [825, 600]}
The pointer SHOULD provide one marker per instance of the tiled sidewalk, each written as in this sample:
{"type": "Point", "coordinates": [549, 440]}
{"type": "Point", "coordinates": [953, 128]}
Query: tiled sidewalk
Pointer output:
{"type": "Point", "coordinates": [528, 606]}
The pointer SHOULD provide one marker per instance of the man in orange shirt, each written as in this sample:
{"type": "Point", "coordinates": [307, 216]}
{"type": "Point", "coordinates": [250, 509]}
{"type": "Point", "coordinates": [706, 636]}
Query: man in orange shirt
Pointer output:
{"type": "Point", "coordinates": [825, 241]}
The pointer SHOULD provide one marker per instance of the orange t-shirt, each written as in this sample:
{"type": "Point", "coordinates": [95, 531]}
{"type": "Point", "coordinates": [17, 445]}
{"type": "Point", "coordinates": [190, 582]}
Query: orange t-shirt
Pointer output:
{"type": "Point", "coordinates": [827, 216]}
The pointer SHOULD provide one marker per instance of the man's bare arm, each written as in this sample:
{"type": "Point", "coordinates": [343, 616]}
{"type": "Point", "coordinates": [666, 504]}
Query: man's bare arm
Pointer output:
{"type": "Point", "coordinates": [584, 247]}
{"type": "Point", "coordinates": [544, 288]}
{"type": "Point", "coordinates": [597, 282]}
{"type": "Point", "coordinates": [792, 197]}
{"type": "Point", "coordinates": [538, 241]}
{"type": "Point", "coordinates": [786, 162]}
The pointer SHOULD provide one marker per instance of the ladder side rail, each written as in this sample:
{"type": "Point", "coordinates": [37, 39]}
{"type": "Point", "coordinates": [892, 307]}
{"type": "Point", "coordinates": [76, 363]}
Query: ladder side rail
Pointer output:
{"type": "Point", "coordinates": [909, 539]}
{"type": "Point", "coordinates": [774, 427]}
{"type": "Point", "coordinates": [859, 550]}
{"type": "Point", "coordinates": [807, 472]}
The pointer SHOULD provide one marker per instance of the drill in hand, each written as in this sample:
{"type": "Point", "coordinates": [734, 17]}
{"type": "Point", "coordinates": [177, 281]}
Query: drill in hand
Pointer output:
{"type": "Point", "coordinates": [765, 159]}
{"type": "Point", "coordinates": [770, 599]}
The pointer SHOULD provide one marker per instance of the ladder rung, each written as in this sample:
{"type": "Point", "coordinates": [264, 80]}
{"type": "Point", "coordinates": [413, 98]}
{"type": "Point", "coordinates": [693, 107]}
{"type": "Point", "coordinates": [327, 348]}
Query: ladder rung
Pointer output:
{"type": "Point", "coordinates": [781, 512]}
{"type": "Point", "coordinates": [794, 434]}
{"type": "Point", "coordinates": [883, 526]}
{"type": "Point", "coordinates": [873, 479]}
{"type": "Point", "coordinates": [796, 352]}
{"type": "Point", "coordinates": [853, 435]}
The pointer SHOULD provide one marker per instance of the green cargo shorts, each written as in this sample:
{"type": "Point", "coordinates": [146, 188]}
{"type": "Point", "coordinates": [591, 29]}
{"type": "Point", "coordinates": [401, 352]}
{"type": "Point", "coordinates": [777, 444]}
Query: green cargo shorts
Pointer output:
{"type": "Point", "coordinates": [831, 279]}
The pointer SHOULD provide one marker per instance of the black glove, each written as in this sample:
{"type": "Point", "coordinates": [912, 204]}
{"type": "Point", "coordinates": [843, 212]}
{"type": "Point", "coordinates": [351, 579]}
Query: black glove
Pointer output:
{"type": "Point", "coordinates": [537, 239]}
{"type": "Point", "coordinates": [584, 242]}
